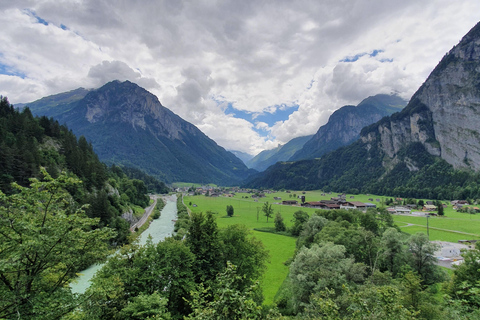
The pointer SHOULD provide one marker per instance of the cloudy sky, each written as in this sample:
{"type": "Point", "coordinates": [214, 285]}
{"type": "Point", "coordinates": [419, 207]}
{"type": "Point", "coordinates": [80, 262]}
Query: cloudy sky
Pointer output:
{"type": "Point", "coordinates": [249, 74]}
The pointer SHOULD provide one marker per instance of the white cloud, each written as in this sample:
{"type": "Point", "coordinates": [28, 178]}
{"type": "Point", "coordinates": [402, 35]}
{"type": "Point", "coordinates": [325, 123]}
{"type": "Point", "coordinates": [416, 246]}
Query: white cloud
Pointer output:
{"type": "Point", "coordinates": [254, 55]}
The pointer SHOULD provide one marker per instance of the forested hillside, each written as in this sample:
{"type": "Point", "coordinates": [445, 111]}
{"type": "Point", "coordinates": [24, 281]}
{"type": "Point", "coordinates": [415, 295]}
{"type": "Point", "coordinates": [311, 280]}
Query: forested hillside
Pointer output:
{"type": "Point", "coordinates": [28, 143]}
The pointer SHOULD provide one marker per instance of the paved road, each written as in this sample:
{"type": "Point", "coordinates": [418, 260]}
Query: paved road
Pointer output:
{"type": "Point", "coordinates": [148, 212]}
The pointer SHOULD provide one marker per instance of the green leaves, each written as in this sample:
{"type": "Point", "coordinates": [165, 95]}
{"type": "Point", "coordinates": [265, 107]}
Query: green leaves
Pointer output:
{"type": "Point", "coordinates": [42, 244]}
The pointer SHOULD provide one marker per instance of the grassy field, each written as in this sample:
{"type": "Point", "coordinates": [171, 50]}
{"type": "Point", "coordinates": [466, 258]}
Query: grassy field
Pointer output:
{"type": "Point", "coordinates": [452, 227]}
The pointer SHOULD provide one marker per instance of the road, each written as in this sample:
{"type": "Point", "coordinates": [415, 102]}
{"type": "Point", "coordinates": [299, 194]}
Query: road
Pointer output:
{"type": "Point", "coordinates": [148, 212]}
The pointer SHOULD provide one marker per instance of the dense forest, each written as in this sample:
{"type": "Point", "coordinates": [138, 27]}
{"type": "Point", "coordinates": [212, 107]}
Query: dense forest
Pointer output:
{"type": "Point", "coordinates": [354, 169]}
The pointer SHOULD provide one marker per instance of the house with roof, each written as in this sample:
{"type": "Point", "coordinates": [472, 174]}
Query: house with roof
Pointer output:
{"type": "Point", "coordinates": [357, 205]}
{"type": "Point", "coordinates": [429, 207]}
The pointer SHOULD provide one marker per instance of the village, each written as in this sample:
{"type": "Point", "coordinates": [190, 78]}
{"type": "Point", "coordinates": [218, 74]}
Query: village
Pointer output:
{"type": "Point", "coordinates": [340, 201]}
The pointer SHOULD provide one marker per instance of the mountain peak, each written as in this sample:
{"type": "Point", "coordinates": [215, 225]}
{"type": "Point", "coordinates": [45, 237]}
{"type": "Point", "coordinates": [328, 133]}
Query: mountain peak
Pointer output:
{"type": "Point", "coordinates": [128, 125]}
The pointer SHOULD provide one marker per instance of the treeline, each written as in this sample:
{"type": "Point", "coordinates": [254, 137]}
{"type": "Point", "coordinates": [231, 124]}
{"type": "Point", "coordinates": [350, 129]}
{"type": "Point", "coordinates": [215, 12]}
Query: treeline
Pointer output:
{"type": "Point", "coordinates": [28, 143]}
{"type": "Point", "coordinates": [354, 265]}
{"type": "Point", "coordinates": [356, 169]}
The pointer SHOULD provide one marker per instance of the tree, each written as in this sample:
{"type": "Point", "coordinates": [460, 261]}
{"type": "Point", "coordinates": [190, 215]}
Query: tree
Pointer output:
{"type": "Point", "coordinates": [310, 228]}
{"type": "Point", "coordinates": [44, 239]}
{"type": "Point", "coordinates": [465, 284]}
{"type": "Point", "coordinates": [392, 249]}
{"type": "Point", "coordinates": [202, 239]}
{"type": "Point", "coordinates": [230, 210]}
{"type": "Point", "coordinates": [440, 210]}
{"type": "Point", "coordinates": [422, 258]}
{"type": "Point", "coordinates": [156, 275]}
{"type": "Point", "coordinates": [320, 267]}
{"type": "Point", "coordinates": [279, 224]}
{"type": "Point", "coordinates": [247, 253]}
{"type": "Point", "coordinates": [299, 218]}
{"type": "Point", "coordinates": [267, 210]}
{"type": "Point", "coordinates": [224, 300]}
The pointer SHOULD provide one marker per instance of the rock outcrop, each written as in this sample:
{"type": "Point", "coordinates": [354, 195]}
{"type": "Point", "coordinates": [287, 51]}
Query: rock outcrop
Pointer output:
{"type": "Point", "coordinates": [444, 114]}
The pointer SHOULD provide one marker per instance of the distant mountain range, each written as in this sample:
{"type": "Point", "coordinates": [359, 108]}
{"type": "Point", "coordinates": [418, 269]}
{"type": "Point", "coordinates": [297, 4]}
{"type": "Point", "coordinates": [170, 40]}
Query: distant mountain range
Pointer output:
{"type": "Point", "coordinates": [128, 125]}
{"type": "Point", "coordinates": [266, 158]}
{"type": "Point", "coordinates": [344, 125]}
{"type": "Point", "coordinates": [429, 149]}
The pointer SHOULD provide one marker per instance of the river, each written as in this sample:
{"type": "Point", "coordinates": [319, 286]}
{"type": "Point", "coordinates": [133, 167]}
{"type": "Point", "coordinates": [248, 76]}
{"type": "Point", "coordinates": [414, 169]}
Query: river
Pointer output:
{"type": "Point", "coordinates": [159, 229]}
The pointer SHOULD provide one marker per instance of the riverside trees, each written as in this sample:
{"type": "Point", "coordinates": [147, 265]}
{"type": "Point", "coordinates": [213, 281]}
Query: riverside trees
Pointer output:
{"type": "Point", "coordinates": [44, 238]}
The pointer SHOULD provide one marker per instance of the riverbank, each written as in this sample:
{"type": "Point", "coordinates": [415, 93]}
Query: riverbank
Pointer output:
{"type": "Point", "coordinates": [158, 230]}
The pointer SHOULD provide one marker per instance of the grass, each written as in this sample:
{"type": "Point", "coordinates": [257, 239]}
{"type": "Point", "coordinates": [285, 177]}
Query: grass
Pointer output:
{"type": "Point", "coordinates": [248, 211]}
{"type": "Point", "coordinates": [280, 247]}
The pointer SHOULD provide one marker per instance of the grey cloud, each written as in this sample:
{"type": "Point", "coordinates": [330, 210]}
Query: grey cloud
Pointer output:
{"type": "Point", "coordinates": [118, 70]}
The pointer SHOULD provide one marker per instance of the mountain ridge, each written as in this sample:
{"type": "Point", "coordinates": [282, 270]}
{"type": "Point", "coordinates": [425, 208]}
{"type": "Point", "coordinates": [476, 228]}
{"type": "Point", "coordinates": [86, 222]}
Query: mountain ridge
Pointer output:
{"type": "Point", "coordinates": [344, 125]}
{"type": "Point", "coordinates": [153, 138]}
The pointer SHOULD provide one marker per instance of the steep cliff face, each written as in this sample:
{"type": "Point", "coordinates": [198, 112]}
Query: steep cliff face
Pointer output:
{"type": "Point", "coordinates": [444, 114]}
{"type": "Point", "coordinates": [344, 125]}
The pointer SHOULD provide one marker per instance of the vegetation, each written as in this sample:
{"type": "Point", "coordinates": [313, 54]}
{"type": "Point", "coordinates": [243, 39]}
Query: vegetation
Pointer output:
{"type": "Point", "coordinates": [44, 240]}
{"type": "Point", "coordinates": [354, 169]}
{"type": "Point", "coordinates": [28, 143]}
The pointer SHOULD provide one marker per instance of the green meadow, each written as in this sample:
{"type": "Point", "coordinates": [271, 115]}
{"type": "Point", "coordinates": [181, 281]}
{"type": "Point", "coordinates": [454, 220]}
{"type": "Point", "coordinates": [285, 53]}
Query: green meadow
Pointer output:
{"type": "Point", "coordinates": [452, 227]}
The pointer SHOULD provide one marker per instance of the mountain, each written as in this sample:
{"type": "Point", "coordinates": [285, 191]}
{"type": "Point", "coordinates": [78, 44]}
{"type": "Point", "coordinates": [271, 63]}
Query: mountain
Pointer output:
{"type": "Point", "coordinates": [242, 155]}
{"type": "Point", "coordinates": [266, 158]}
{"type": "Point", "coordinates": [429, 149]}
{"type": "Point", "coordinates": [344, 125]}
{"type": "Point", "coordinates": [47, 106]}
{"type": "Point", "coordinates": [127, 125]}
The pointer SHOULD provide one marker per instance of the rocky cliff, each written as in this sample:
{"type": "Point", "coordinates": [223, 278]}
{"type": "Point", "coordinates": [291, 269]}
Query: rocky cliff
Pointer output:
{"type": "Point", "coordinates": [344, 125]}
{"type": "Point", "coordinates": [443, 115]}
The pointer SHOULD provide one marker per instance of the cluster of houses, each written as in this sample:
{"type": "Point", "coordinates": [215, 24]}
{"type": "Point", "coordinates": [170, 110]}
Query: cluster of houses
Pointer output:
{"type": "Point", "coordinates": [339, 202]}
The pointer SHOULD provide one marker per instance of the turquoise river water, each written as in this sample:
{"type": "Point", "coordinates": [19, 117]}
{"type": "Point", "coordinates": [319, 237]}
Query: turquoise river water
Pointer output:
{"type": "Point", "coordinates": [159, 229]}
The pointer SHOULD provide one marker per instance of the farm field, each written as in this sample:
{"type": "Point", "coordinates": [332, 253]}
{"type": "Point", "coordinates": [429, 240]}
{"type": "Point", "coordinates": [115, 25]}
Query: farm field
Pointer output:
{"type": "Point", "coordinates": [452, 227]}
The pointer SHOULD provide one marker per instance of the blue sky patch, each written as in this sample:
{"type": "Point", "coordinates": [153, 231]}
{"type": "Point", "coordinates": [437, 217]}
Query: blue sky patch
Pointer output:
{"type": "Point", "coordinates": [33, 14]}
{"type": "Point", "coordinates": [354, 58]}
{"type": "Point", "coordinates": [9, 71]}
{"type": "Point", "coordinates": [281, 113]}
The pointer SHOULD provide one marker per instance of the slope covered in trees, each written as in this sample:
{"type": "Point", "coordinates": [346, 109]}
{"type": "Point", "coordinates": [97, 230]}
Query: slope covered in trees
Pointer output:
{"type": "Point", "coordinates": [28, 143]}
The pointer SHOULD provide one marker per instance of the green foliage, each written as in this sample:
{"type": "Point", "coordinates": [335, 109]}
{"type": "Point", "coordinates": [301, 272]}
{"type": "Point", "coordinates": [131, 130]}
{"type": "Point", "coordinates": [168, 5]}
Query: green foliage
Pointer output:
{"type": "Point", "coordinates": [202, 239]}
{"type": "Point", "coordinates": [160, 275]}
{"type": "Point", "coordinates": [279, 224]}
{"type": "Point", "coordinates": [422, 258]}
{"type": "Point", "coordinates": [225, 300]}
{"type": "Point", "coordinates": [230, 210]}
{"type": "Point", "coordinates": [299, 218]}
{"type": "Point", "coordinates": [267, 210]}
{"type": "Point", "coordinates": [146, 307]}
{"type": "Point", "coordinates": [465, 284]}
{"type": "Point", "coordinates": [44, 240]}
{"type": "Point", "coordinates": [320, 267]}
{"type": "Point", "coordinates": [246, 252]}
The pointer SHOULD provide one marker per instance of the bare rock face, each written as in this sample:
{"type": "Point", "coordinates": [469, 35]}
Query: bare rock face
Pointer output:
{"type": "Point", "coordinates": [132, 106]}
{"type": "Point", "coordinates": [444, 114]}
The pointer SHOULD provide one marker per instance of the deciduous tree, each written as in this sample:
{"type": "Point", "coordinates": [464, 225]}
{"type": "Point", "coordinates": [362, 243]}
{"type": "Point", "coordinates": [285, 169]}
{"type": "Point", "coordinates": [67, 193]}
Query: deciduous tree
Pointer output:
{"type": "Point", "coordinates": [44, 238]}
